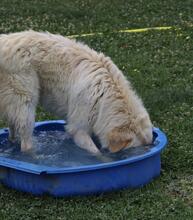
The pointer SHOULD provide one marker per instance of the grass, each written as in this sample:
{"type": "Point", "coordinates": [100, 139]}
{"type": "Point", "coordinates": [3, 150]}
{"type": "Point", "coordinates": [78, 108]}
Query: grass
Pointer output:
{"type": "Point", "coordinates": [158, 63]}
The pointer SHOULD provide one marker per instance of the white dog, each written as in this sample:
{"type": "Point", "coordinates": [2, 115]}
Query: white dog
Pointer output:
{"type": "Point", "coordinates": [70, 80]}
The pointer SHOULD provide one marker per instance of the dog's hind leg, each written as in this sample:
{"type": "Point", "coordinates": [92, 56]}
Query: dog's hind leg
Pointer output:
{"type": "Point", "coordinates": [25, 123]}
{"type": "Point", "coordinates": [20, 102]}
{"type": "Point", "coordinates": [21, 118]}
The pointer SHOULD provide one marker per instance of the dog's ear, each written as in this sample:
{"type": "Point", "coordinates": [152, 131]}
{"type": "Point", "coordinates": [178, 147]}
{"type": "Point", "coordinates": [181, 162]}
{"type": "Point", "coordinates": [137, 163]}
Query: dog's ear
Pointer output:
{"type": "Point", "coordinates": [118, 140]}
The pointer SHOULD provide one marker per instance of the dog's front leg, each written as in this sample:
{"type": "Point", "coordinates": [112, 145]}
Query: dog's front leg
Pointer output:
{"type": "Point", "coordinates": [12, 133]}
{"type": "Point", "coordinates": [83, 140]}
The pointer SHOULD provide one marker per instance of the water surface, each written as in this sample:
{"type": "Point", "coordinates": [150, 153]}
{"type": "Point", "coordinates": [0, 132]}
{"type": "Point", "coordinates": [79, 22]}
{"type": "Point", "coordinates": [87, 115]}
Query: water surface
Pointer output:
{"type": "Point", "coordinates": [56, 149]}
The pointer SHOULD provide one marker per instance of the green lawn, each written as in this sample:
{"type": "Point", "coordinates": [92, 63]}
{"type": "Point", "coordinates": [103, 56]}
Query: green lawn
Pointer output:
{"type": "Point", "coordinates": [160, 66]}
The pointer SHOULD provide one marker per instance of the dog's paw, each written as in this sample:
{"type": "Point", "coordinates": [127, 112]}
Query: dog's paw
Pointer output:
{"type": "Point", "coordinates": [26, 146]}
{"type": "Point", "coordinates": [12, 139]}
{"type": "Point", "coordinates": [67, 136]}
{"type": "Point", "coordinates": [104, 159]}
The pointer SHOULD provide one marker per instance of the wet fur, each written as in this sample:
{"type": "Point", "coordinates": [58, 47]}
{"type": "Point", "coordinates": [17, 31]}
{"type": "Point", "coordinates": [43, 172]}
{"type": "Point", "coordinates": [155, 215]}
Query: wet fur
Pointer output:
{"type": "Point", "coordinates": [74, 82]}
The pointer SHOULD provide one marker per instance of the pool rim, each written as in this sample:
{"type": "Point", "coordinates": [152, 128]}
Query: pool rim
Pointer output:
{"type": "Point", "coordinates": [161, 139]}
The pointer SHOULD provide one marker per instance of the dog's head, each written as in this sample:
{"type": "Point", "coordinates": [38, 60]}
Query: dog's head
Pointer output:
{"type": "Point", "coordinates": [127, 135]}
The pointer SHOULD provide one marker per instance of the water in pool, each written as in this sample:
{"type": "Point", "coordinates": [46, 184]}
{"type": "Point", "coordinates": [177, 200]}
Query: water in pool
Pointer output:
{"type": "Point", "coordinates": [55, 149]}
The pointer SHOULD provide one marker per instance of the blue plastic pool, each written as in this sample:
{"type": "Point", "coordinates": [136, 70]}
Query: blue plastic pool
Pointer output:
{"type": "Point", "coordinates": [63, 169]}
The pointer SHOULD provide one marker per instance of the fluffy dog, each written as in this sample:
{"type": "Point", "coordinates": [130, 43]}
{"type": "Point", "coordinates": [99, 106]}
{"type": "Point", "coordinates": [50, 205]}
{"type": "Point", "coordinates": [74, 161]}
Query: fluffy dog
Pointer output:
{"type": "Point", "coordinates": [70, 80]}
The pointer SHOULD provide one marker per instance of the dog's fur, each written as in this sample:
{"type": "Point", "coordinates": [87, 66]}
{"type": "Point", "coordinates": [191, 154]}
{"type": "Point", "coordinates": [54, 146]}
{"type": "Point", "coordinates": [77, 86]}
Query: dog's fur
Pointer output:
{"type": "Point", "coordinates": [68, 79]}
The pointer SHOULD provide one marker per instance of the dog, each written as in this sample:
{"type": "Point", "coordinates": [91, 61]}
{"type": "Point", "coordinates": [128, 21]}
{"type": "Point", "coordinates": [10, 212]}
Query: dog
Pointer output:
{"type": "Point", "coordinates": [72, 81]}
